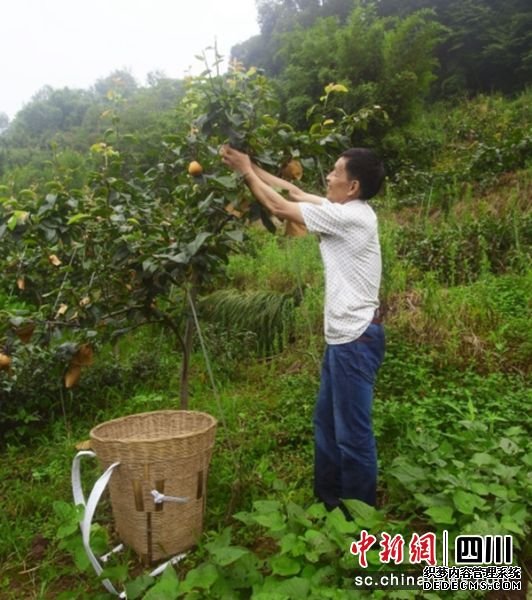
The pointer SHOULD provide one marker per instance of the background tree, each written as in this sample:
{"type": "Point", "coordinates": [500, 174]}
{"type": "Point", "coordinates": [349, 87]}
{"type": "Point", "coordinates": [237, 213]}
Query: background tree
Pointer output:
{"type": "Point", "coordinates": [487, 47]}
{"type": "Point", "coordinates": [383, 61]}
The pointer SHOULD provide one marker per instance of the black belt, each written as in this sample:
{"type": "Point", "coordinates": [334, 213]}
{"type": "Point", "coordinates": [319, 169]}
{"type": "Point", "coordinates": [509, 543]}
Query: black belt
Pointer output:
{"type": "Point", "coordinates": [377, 318]}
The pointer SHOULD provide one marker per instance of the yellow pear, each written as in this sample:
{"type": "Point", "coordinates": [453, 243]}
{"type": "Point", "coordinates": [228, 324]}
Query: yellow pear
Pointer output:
{"type": "Point", "coordinates": [195, 169]}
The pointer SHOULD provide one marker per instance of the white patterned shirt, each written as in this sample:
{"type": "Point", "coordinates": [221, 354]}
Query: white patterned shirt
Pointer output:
{"type": "Point", "coordinates": [350, 250]}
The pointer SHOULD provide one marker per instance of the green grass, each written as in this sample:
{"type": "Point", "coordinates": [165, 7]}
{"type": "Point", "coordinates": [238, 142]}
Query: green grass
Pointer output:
{"type": "Point", "coordinates": [264, 451]}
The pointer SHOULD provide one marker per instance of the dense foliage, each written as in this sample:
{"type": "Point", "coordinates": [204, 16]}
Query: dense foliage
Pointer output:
{"type": "Point", "coordinates": [486, 46]}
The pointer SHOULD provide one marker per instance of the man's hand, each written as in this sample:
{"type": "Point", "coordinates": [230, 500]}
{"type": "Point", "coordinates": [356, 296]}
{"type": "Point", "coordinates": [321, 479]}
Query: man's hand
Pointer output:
{"type": "Point", "coordinates": [235, 160]}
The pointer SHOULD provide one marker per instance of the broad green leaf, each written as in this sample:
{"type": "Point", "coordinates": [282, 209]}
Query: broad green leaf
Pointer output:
{"type": "Point", "coordinates": [506, 472]}
{"type": "Point", "coordinates": [510, 524]}
{"type": "Point", "coordinates": [137, 587]}
{"type": "Point", "coordinates": [362, 511]}
{"type": "Point", "coordinates": [285, 566]}
{"type": "Point", "coordinates": [291, 544]}
{"type": "Point", "coordinates": [297, 514]}
{"type": "Point", "coordinates": [265, 506]}
{"type": "Point", "coordinates": [441, 515]}
{"type": "Point", "coordinates": [201, 577]}
{"type": "Point", "coordinates": [77, 218]}
{"type": "Point", "coordinates": [245, 517]}
{"type": "Point", "coordinates": [80, 556]}
{"type": "Point", "coordinates": [517, 511]}
{"type": "Point", "coordinates": [481, 458]}
{"type": "Point", "coordinates": [509, 446]}
{"type": "Point", "coordinates": [498, 490]}
{"type": "Point", "coordinates": [320, 542]}
{"type": "Point", "coordinates": [221, 540]}
{"type": "Point", "coordinates": [115, 573]}
{"type": "Point", "coordinates": [198, 242]}
{"type": "Point", "coordinates": [337, 521]}
{"type": "Point", "coordinates": [274, 521]}
{"type": "Point", "coordinates": [182, 258]}
{"type": "Point", "coordinates": [316, 511]}
{"type": "Point", "coordinates": [408, 473]}
{"type": "Point", "coordinates": [236, 236]}
{"type": "Point", "coordinates": [466, 502]}
{"type": "Point", "coordinates": [67, 529]}
{"type": "Point", "coordinates": [479, 488]}
{"type": "Point", "coordinates": [167, 588]}
{"type": "Point", "coordinates": [228, 555]}
{"type": "Point", "coordinates": [226, 181]}
{"type": "Point", "coordinates": [295, 587]}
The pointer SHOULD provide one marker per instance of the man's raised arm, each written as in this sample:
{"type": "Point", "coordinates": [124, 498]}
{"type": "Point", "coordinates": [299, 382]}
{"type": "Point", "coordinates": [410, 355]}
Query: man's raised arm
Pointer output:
{"type": "Point", "coordinates": [294, 193]}
{"type": "Point", "coordinates": [263, 189]}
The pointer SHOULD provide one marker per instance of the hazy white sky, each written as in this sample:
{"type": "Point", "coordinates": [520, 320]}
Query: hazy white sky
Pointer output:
{"type": "Point", "coordinates": [74, 42]}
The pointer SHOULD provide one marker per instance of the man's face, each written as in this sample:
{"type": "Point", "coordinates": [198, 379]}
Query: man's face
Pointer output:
{"type": "Point", "coordinates": [340, 188]}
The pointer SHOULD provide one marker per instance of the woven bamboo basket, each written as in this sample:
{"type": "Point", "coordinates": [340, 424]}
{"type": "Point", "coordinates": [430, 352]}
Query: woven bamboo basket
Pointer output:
{"type": "Point", "coordinates": [168, 451]}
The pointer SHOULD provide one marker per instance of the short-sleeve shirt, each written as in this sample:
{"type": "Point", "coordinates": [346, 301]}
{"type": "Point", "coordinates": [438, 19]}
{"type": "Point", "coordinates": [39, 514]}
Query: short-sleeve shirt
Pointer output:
{"type": "Point", "coordinates": [350, 250]}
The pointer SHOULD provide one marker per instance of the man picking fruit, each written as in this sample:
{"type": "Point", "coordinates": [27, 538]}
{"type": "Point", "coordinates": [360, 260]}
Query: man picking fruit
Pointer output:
{"type": "Point", "coordinates": [345, 451]}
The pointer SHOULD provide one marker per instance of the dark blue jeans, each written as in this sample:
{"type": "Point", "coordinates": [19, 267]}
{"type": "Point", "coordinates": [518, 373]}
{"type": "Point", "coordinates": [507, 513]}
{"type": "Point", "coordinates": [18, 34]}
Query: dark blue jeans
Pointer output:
{"type": "Point", "coordinates": [345, 451]}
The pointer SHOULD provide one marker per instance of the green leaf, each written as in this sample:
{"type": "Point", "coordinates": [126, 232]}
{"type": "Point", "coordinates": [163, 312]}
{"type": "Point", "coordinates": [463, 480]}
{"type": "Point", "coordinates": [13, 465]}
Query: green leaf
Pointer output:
{"type": "Point", "coordinates": [509, 446]}
{"type": "Point", "coordinates": [320, 543]}
{"type": "Point", "coordinates": [285, 566]}
{"type": "Point", "coordinates": [115, 573]}
{"type": "Point", "coordinates": [498, 490]}
{"type": "Point", "coordinates": [507, 473]}
{"type": "Point", "coordinates": [364, 514]}
{"type": "Point", "coordinates": [228, 555]}
{"type": "Point", "coordinates": [226, 181]}
{"type": "Point", "coordinates": [510, 524]}
{"type": "Point", "coordinates": [77, 218]}
{"type": "Point", "coordinates": [481, 458]}
{"type": "Point", "coordinates": [135, 589]}
{"type": "Point", "coordinates": [407, 473]}
{"type": "Point", "coordinates": [266, 506]}
{"type": "Point", "coordinates": [335, 87]}
{"type": "Point", "coordinates": [245, 517]}
{"type": "Point", "coordinates": [316, 511]}
{"type": "Point", "coordinates": [201, 577]}
{"type": "Point", "coordinates": [79, 554]}
{"type": "Point", "coordinates": [236, 236]}
{"type": "Point", "coordinates": [274, 521]}
{"type": "Point", "coordinates": [67, 529]}
{"type": "Point", "coordinates": [337, 521]}
{"type": "Point", "coordinates": [479, 488]}
{"type": "Point", "coordinates": [222, 540]}
{"type": "Point", "coordinates": [66, 511]}
{"type": "Point", "coordinates": [292, 544]}
{"type": "Point", "coordinates": [297, 514]}
{"type": "Point", "coordinates": [198, 242]}
{"type": "Point", "coordinates": [295, 587]}
{"type": "Point", "coordinates": [182, 258]}
{"type": "Point", "coordinates": [167, 588]}
{"type": "Point", "coordinates": [466, 502]}
{"type": "Point", "coordinates": [441, 515]}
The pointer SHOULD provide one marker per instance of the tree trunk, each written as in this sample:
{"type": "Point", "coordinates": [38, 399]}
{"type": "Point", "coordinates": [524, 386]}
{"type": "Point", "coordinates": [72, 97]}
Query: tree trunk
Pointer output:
{"type": "Point", "coordinates": [187, 350]}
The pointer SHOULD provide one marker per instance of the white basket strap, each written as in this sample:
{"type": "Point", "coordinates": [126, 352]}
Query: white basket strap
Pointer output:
{"type": "Point", "coordinates": [90, 508]}
{"type": "Point", "coordinates": [77, 490]}
{"type": "Point", "coordinates": [159, 498]}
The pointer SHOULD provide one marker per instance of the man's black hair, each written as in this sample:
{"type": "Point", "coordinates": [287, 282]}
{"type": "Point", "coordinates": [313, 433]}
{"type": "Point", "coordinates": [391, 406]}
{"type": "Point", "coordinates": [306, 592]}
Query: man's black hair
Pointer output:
{"type": "Point", "coordinates": [364, 165]}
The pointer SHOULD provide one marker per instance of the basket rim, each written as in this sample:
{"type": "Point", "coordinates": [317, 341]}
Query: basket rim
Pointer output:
{"type": "Point", "coordinates": [94, 431]}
